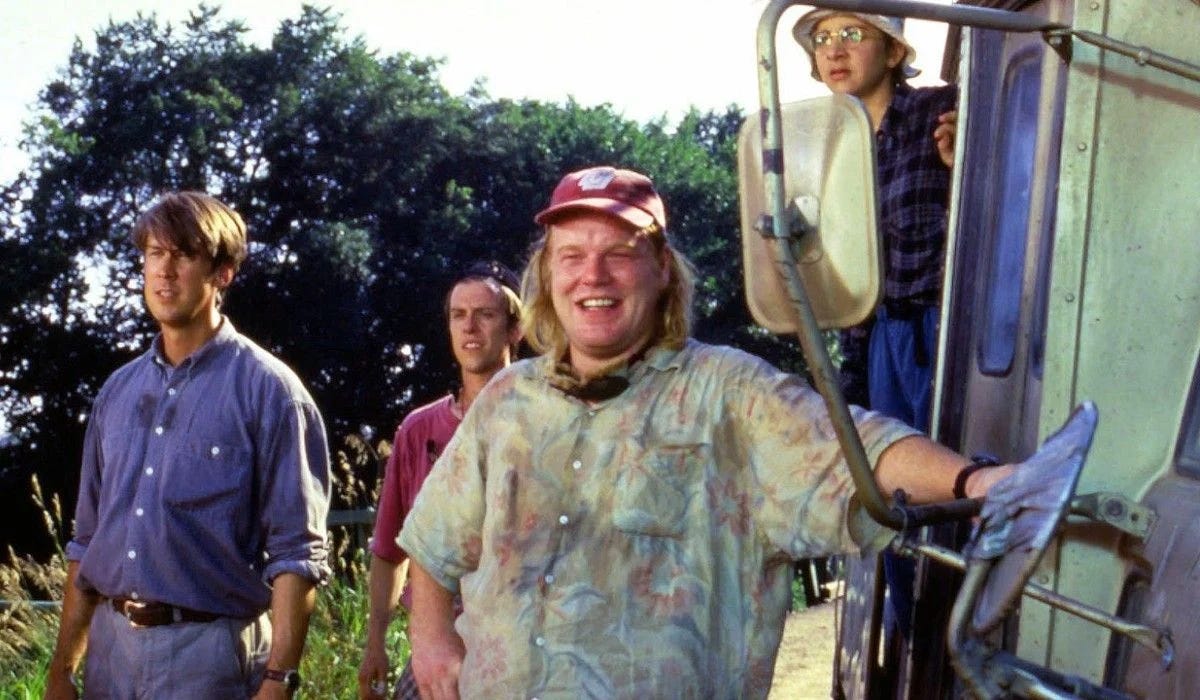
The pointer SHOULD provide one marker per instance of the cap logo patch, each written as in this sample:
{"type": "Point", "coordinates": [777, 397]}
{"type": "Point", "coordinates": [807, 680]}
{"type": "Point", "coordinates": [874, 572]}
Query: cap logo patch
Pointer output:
{"type": "Point", "coordinates": [597, 179]}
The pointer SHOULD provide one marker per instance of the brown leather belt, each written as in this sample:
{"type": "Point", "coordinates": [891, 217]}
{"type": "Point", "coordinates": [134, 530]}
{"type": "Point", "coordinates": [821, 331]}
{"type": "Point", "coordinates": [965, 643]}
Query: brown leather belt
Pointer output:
{"type": "Point", "coordinates": [147, 614]}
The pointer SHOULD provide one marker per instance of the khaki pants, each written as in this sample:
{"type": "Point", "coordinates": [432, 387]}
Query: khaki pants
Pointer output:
{"type": "Point", "coordinates": [223, 659]}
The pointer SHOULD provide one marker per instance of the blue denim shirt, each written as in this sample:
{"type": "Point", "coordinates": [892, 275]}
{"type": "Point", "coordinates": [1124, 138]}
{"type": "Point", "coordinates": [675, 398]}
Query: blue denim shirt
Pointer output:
{"type": "Point", "coordinates": [202, 482]}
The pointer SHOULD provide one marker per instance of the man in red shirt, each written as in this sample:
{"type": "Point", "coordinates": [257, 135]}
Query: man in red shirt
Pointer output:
{"type": "Point", "coordinates": [484, 316]}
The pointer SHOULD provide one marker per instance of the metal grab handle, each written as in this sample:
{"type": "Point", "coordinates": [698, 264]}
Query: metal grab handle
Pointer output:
{"type": "Point", "coordinates": [965, 15]}
{"type": "Point", "coordinates": [1008, 21]}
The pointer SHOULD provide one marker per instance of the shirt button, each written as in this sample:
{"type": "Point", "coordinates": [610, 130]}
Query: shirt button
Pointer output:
{"type": "Point", "coordinates": [215, 451]}
{"type": "Point", "coordinates": [577, 465]}
{"type": "Point", "coordinates": [563, 520]}
{"type": "Point", "coordinates": [139, 512]}
{"type": "Point", "coordinates": [132, 554]}
{"type": "Point", "coordinates": [171, 391]}
{"type": "Point", "coordinates": [149, 471]}
{"type": "Point", "coordinates": [540, 641]}
{"type": "Point", "coordinates": [133, 595]}
{"type": "Point", "coordinates": [158, 430]}
{"type": "Point", "coordinates": [549, 578]}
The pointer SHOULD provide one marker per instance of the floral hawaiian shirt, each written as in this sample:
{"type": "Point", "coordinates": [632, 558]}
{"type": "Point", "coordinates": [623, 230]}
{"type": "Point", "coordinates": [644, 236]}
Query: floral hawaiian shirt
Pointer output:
{"type": "Point", "coordinates": [643, 546]}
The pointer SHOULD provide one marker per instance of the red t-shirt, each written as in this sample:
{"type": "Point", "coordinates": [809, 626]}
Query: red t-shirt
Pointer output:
{"type": "Point", "coordinates": [419, 440]}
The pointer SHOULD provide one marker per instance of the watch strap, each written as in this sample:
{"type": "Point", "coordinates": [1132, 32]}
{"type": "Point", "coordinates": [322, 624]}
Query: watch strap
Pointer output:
{"type": "Point", "coordinates": [960, 480]}
{"type": "Point", "coordinates": [290, 678]}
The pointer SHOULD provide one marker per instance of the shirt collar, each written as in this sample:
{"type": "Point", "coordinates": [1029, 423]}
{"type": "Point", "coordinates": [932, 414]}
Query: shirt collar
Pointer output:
{"type": "Point", "coordinates": [225, 334]}
{"type": "Point", "coordinates": [657, 358]}
{"type": "Point", "coordinates": [898, 107]}
{"type": "Point", "coordinates": [662, 358]}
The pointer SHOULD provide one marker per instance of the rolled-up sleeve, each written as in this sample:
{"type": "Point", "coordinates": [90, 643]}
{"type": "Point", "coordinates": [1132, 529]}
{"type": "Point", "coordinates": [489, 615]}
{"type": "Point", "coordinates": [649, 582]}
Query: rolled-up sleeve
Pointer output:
{"type": "Point", "coordinates": [86, 506]}
{"type": "Point", "coordinates": [388, 515]}
{"type": "Point", "coordinates": [798, 464]}
{"type": "Point", "coordinates": [293, 462]}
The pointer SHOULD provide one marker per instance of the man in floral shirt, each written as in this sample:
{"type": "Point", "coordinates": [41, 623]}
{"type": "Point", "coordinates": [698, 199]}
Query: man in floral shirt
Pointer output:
{"type": "Point", "coordinates": [621, 514]}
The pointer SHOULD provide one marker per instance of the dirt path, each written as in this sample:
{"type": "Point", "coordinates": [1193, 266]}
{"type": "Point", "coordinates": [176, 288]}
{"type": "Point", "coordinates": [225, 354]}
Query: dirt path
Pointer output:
{"type": "Point", "coordinates": [804, 668]}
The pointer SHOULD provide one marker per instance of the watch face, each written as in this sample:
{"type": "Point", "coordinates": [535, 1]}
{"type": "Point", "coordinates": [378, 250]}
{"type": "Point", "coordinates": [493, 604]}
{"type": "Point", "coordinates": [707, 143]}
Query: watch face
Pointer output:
{"type": "Point", "coordinates": [290, 678]}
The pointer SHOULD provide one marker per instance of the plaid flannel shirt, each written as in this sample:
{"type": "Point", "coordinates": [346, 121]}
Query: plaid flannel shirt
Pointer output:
{"type": "Point", "coordinates": [914, 188]}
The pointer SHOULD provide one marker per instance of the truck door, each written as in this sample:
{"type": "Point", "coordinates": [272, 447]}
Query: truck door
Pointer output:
{"type": "Point", "coordinates": [988, 390]}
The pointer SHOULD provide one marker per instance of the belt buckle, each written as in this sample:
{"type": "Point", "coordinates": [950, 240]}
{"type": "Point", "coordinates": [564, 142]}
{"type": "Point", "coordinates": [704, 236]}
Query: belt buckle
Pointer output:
{"type": "Point", "coordinates": [131, 607]}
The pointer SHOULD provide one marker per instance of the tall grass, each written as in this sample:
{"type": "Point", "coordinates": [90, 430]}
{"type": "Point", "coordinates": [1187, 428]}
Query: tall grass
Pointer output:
{"type": "Point", "coordinates": [337, 630]}
{"type": "Point", "coordinates": [335, 641]}
{"type": "Point", "coordinates": [27, 630]}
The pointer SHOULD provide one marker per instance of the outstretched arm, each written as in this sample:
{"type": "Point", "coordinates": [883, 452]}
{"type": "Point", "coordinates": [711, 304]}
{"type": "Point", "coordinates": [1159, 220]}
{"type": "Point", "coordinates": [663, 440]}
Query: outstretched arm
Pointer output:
{"type": "Point", "coordinates": [437, 650]}
{"type": "Point", "coordinates": [926, 471]}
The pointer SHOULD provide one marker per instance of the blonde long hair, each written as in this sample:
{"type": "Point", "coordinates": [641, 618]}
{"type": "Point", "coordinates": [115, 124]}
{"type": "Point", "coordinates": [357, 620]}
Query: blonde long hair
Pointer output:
{"type": "Point", "coordinates": [544, 331]}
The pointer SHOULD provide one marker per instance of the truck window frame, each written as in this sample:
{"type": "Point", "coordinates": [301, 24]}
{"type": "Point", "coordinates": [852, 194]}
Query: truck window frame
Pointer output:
{"type": "Point", "coordinates": [1011, 207]}
{"type": "Point", "coordinates": [1187, 453]}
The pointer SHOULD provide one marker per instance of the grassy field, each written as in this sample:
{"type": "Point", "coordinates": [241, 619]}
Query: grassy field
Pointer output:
{"type": "Point", "coordinates": [336, 633]}
{"type": "Point", "coordinates": [27, 630]}
{"type": "Point", "coordinates": [26, 633]}
{"type": "Point", "coordinates": [331, 656]}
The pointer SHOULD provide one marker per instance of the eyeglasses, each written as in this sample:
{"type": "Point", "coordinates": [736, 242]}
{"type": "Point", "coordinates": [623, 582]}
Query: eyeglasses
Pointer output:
{"type": "Point", "coordinates": [851, 36]}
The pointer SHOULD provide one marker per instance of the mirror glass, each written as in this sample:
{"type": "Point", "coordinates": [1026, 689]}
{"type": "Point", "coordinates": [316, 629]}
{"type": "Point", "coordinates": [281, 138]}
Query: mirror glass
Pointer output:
{"type": "Point", "coordinates": [829, 171]}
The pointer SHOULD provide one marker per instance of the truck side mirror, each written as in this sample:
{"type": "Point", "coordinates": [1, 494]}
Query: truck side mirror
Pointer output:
{"type": "Point", "coordinates": [829, 166]}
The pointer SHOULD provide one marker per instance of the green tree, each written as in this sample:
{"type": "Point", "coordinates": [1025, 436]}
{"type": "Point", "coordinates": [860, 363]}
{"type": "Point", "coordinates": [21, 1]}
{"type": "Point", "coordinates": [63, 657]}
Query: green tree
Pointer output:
{"type": "Point", "coordinates": [366, 187]}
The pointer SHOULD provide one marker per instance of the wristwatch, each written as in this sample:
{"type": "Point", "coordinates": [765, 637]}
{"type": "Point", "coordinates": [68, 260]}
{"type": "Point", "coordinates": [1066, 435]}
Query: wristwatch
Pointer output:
{"type": "Point", "coordinates": [289, 678]}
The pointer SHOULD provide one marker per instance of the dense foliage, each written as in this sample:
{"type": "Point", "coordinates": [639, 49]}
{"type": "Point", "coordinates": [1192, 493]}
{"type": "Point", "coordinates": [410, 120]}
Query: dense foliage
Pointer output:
{"type": "Point", "coordinates": [365, 185]}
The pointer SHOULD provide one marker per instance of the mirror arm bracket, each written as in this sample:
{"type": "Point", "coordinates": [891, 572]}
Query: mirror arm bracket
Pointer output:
{"type": "Point", "coordinates": [1115, 510]}
{"type": "Point", "coordinates": [811, 340]}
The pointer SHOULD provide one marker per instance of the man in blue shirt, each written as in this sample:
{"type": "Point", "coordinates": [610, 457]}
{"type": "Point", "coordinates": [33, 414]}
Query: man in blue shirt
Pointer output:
{"type": "Point", "coordinates": [203, 494]}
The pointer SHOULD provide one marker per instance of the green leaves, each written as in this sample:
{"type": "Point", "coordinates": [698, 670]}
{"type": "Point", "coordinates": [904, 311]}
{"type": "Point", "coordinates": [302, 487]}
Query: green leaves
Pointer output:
{"type": "Point", "coordinates": [366, 188]}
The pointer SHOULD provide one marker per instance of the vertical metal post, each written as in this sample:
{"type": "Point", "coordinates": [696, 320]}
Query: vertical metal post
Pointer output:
{"type": "Point", "coordinates": [776, 226]}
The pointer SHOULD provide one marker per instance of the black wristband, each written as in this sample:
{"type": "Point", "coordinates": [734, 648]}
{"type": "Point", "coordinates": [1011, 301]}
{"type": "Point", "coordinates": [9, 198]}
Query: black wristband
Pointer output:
{"type": "Point", "coordinates": [960, 481]}
{"type": "Point", "coordinates": [290, 678]}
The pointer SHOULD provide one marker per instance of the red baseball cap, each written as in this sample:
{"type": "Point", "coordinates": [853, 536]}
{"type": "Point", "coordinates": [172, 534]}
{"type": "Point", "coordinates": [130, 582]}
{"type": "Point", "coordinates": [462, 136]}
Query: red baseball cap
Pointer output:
{"type": "Point", "coordinates": [622, 193]}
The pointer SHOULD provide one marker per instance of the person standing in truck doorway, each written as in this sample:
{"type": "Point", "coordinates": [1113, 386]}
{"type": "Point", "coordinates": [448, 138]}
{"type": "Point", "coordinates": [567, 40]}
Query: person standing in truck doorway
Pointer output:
{"type": "Point", "coordinates": [483, 313]}
{"type": "Point", "coordinates": [867, 56]}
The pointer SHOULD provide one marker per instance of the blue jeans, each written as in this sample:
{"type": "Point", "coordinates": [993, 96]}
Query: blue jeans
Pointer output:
{"type": "Point", "coordinates": [900, 382]}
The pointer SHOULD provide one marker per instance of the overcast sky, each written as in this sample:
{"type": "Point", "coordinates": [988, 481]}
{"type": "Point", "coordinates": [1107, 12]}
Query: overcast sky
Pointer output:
{"type": "Point", "coordinates": [645, 57]}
